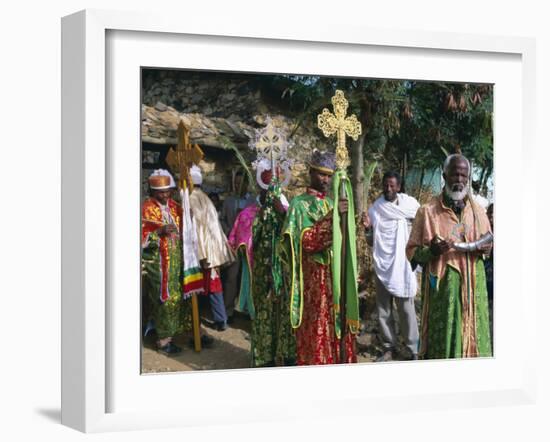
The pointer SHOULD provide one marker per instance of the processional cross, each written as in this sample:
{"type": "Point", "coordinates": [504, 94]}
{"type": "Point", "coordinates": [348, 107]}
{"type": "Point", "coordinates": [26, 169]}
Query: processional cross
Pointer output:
{"type": "Point", "coordinates": [270, 143]}
{"type": "Point", "coordinates": [182, 159]}
{"type": "Point", "coordinates": [330, 123]}
{"type": "Point", "coordinates": [341, 125]}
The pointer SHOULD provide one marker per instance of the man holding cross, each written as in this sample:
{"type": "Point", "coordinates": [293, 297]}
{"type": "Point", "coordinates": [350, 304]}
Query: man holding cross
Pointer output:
{"type": "Point", "coordinates": [162, 261]}
{"type": "Point", "coordinates": [213, 248]}
{"type": "Point", "coordinates": [307, 241]}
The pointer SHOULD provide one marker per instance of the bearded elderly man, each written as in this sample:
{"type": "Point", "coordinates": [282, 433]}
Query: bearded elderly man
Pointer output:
{"type": "Point", "coordinates": [446, 239]}
{"type": "Point", "coordinates": [307, 237]}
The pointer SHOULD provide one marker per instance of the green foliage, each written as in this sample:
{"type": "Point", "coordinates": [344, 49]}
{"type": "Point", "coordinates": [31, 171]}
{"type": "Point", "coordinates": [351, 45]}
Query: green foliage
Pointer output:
{"type": "Point", "coordinates": [228, 144]}
{"type": "Point", "coordinates": [407, 123]}
{"type": "Point", "coordinates": [369, 169]}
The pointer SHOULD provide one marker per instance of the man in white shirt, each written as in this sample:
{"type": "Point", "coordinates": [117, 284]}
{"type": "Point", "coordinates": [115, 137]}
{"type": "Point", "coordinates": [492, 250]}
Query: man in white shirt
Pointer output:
{"type": "Point", "coordinates": [388, 224]}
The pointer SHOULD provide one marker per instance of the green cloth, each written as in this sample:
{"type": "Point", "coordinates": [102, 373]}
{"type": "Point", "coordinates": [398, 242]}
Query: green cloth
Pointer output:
{"type": "Point", "coordinates": [304, 211]}
{"type": "Point", "coordinates": [245, 297]}
{"type": "Point", "coordinates": [272, 339]}
{"type": "Point", "coordinates": [350, 264]}
{"type": "Point", "coordinates": [444, 313]}
{"type": "Point", "coordinates": [173, 316]}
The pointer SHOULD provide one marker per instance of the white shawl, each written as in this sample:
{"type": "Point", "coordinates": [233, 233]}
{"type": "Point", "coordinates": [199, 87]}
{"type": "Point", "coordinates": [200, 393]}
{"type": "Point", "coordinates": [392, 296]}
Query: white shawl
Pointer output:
{"type": "Point", "coordinates": [390, 230]}
{"type": "Point", "coordinates": [212, 242]}
{"type": "Point", "coordinates": [191, 264]}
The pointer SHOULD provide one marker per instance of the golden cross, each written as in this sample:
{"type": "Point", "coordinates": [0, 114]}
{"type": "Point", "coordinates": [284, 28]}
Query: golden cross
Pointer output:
{"type": "Point", "coordinates": [338, 122]}
{"type": "Point", "coordinates": [185, 155]}
{"type": "Point", "coordinates": [181, 159]}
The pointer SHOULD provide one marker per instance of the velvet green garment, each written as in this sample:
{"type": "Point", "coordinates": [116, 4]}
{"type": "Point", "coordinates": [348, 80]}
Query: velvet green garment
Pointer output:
{"type": "Point", "coordinates": [441, 321]}
{"type": "Point", "coordinates": [173, 316]}
{"type": "Point", "coordinates": [304, 211]}
{"type": "Point", "coordinates": [272, 339]}
{"type": "Point", "coordinates": [454, 292]}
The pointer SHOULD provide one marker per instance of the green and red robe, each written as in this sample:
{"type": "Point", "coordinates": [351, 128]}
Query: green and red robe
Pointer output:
{"type": "Point", "coordinates": [162, 266]}
{"type": "Point", "coordinates": [272, 338]}
{"type": "Point", "coordinates": [306, 250]}
{"type": "Point", "coordinates": [455, 315]}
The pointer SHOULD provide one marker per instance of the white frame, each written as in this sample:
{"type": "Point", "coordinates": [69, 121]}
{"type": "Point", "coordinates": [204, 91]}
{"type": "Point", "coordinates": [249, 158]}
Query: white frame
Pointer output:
{"type": "Point", "coordinates": [84, 349]}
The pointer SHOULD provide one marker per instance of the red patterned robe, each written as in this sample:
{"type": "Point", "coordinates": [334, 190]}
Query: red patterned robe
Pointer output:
{"type": "Point", "coordinates": [162, 266]}
{"type": "Point", "coordinates": [309, 229]}
{"type": "Point", "coordinates": [153, 218]}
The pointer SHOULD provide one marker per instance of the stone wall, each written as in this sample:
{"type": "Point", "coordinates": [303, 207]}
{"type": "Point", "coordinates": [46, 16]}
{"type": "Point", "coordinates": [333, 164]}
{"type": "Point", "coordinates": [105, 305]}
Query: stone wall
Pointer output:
{"type": "Point", "coordinates": [232, 96]}
{"type": "Point", "coordinates": [223, 111]}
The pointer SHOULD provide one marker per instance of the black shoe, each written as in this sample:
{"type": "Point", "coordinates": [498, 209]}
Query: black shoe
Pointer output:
{"type": "Point", "coordinates": [169, 349]}
{"type": "Point", "coordinates": [220, 326]}
{"type": "Point", "coordinates": [206, 341]}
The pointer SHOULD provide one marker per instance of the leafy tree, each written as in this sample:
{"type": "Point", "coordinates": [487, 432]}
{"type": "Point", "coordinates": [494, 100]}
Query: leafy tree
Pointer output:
{"type": "Point", "coordinates": [406, 124]}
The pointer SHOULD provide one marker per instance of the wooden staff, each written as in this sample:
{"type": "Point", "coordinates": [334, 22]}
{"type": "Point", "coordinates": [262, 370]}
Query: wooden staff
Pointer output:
{"type": "Point", "coordinates": [181, 159]}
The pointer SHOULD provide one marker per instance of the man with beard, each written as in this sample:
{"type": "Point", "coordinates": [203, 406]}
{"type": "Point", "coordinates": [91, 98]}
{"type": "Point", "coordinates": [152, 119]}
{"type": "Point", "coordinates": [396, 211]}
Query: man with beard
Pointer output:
{"type": "Point", "coordinates": [388, 224]}
{"type": "Point", "coordinates": [455, 316]}
{"type": "Point", "coordinates": [162, 262]}
{"type": "Point", "coordinates": [307, 241]}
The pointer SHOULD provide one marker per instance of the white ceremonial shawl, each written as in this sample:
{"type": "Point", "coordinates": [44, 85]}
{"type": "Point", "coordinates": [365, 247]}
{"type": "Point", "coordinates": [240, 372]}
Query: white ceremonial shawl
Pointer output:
{"type": "Point", "coordinates": [212, 242]}
{"type": "Point", "coordinates": [390, 236]}
{"type": "Point", "coordinates": [191, 264]}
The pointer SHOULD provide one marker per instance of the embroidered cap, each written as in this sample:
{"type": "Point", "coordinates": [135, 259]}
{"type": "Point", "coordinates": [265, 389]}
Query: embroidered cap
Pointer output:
{"type": "Point", "coordinates": [264, 174]}
{"type": "Point", "coordinates": [322, 161]}
{"type": "Point", "coordinates": [161, 179]}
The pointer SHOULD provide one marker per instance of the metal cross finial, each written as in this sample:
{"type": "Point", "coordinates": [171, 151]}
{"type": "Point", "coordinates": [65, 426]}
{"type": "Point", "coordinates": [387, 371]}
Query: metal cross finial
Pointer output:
{"type": "Point", "coordinates": [330, 123]}
{"type": "Point", "coordinates": [271, 144]}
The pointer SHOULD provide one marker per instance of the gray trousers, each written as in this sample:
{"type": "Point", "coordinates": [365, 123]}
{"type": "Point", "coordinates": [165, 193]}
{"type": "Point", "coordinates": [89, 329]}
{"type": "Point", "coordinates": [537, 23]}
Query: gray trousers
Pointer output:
{"type": "Point", "coordinates": [408, 325]}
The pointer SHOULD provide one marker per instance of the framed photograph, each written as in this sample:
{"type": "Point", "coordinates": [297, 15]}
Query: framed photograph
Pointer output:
{"type": "Point", "coordinates": [104, 386]}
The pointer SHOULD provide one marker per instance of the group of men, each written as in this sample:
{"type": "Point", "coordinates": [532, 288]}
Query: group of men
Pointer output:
{"type": "Point", "coordinates": [279, 257]}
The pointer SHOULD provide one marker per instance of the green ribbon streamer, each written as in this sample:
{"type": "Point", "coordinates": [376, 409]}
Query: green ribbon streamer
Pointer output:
{"type": "Point", "coordinates": [352, 300]}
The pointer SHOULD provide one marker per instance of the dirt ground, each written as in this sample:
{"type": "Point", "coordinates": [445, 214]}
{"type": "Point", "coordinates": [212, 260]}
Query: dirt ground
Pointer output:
{"type": "Point", "coordinates": [231, 348]}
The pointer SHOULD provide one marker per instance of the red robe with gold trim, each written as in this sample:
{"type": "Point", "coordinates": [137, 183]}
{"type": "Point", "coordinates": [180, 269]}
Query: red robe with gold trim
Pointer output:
{"type": "Point", "coordinates": [162, 266]}
{"type": "Point", "coordinates": [308, 232]}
